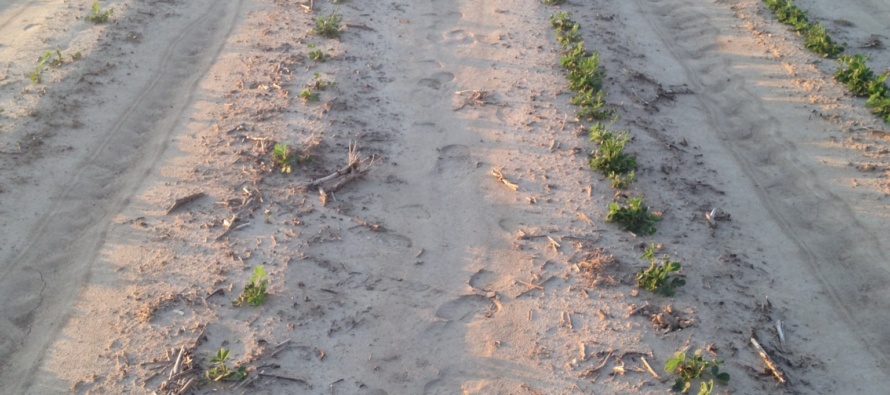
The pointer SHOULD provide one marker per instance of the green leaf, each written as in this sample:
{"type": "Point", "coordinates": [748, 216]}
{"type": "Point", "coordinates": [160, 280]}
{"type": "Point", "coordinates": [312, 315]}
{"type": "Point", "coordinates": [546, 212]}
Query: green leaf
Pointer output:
{"type": "Point", "coordinates": [672, 363]}
{"type": "Point", "coordinates": [722, 378]}
{"type": "Point", "coordinates": [705, 387]}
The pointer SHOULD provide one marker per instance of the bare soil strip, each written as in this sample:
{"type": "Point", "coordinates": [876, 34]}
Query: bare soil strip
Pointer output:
{"type": "Point", "coordinates": [468, 253]}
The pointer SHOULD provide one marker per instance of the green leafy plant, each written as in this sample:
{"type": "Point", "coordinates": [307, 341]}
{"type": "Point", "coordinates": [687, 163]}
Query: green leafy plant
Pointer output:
{"type": "Point", "coordinates": [308, 95]}
{"type": "Point", "coordinates": [318, 55]}
{"type": "Point", "coordinates": [329, 26]}
{"type": "Point", "coordinates": [610, 158]}
{"type": "Point", "coordinates": [880, 103]}
{"type": "Point", "coordinates": [657, 277]}
{"type": "Point", "coordinates": [283, 157]}
{"type": "Point", "coordinates": [815, 37]}
{"type": "Point", "coordinates": [592, 105]}
{"type": "Point", "coordinates": [863, 82]}
{"type": "Point", "coordinates": [220, 372]}
{"type": "Point", "coordinates": [586, 74]}
{"type": "Point", "coordinates": [818, 41]}
{"type": "Point", "coordinates": [318, 83]}
{"type": "Point", "coordinates": [562, 21]}
{"type": "Point", "coordinates": [633, 216]}
{"type": "Point", "coordinates": [854, 73]}
{"type": "Point", "coordinates": [48, 58]}
{"type": "Point", "coordinates": [255, 291]}
{"type": "Point", "coordinates": [97, 15]}
{"type": "Point", "coordinates": [553, 2]}
{"type": "Point", "coordinates": [692, 368]}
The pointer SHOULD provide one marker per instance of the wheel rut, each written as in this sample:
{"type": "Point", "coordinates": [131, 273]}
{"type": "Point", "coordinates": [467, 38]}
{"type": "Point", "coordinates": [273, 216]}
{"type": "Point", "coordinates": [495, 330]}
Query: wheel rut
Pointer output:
{"type": "Point", "coordinates": [65, 239]}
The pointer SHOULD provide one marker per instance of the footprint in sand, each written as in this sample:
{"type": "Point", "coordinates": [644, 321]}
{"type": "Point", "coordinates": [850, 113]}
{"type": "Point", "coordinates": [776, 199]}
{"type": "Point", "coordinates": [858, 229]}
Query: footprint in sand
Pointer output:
{"type": "Point", "coordinates": [482, 280]}
{"type": "Point", "coordinates": [454, 161]}
{"type": "Point", "coordinates": [430, 90]}
{"type": "Point", "coordinates": [464, 308]}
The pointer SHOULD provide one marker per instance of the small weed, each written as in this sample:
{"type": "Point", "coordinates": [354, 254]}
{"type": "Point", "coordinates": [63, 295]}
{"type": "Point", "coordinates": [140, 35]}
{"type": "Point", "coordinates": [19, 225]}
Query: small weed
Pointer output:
{"type": "Point", "coordinates": [320, 84]}
{"type": "Point", "coordinates": [553, 2]}
{"type": "Point", "coordinates": [255, 291]}
{"type": "Point", "coordinates": [77, 56]}
{"type": "Point", "coordinates": [283, 157]}
{"type": "Point", "coordinates": [329, 27]}
{"type": "Point", "coordinates": [97, 15]}
{"type": "Point", "coordinates": [49, 58]}
{"type": "Point", "coordinates": [657, 277]}
{"type": "Point", "coordinates": [221, 372]}
{"type": "Point", "coordinates": [318, 55]}
{"type": "Point", "coordinates": [308, 95]}
{"type": "Point", "coordinates": [693, 368]}
{"type": "Point", "coordinates": [633, 216]}
{"type": "Point", "coordinates": [562, 22]}
{"type": "Point", "coordinates": [569, 37]}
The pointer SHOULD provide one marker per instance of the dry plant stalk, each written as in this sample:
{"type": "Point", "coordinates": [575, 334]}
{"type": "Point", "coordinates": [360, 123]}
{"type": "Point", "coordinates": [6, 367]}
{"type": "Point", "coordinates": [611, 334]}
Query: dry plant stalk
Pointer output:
{"type": "Point", "coordinates": [503, 179]}
{"type": "Point", "coordinates": [770, 365]}
{"type": "Point", "coordinates": [356, 166]}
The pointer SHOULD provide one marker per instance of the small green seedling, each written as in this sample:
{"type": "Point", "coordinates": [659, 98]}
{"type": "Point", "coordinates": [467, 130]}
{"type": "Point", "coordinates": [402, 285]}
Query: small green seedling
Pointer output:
{"type": "Point", "coordinates": [657, 277]}
{"type": "Point", "coordinates": [693, 368]}
{"type": "Point", "coordinates": [283, 157]}
{"type": "Point", "coordinates": [562, 22]}
{"type": "Point", "coordinates": [320, 84]}
{"type": "Point", "coordinates": [308, 95]}
{"type": "Point", "coordinates": [255, 291]}
{"type": "Point", "coordinates": [633, 216]}
{"type": "Point", "coordinates": [317, 54]}
{"type": "Point", "coordinates": [97, 15]}
{"type": "Point", "coordinates": [49, 58]}
{"type": "Point", "coordinates": [330, 26]}
{"type": "Point", "coordinates": [554, 2]}
{"type": "Point", "coordinates": [221, 372]}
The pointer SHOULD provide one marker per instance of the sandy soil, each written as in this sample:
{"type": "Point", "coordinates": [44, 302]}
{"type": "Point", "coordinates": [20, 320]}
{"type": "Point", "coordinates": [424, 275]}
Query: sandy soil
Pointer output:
{"type": "Point", "coordinates": [427, 275]}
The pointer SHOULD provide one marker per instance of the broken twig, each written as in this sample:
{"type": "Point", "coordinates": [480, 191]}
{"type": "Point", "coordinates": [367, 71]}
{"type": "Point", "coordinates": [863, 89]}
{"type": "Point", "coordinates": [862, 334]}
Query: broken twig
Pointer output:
{"type": "Point", "coordinates": [770, 365]}
{"type": "Point", "coordinates": [649, 368]}
{"type": "Point", "coordinates": [183, 201]}
{"type": "Point", "coordinates": [593, 370]}
{"type": "Point", "coordinates": [503, 179]}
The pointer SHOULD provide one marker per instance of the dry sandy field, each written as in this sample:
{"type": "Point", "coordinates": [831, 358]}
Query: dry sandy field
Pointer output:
{"type": "Point", "coordinates": [139, 191]}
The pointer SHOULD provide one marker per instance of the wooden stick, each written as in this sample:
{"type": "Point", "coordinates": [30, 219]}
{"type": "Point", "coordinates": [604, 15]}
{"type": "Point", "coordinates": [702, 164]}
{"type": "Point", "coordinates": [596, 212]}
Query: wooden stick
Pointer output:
{"type": "Point", "coordinates": [554, 244]}
{"type": "Point", "coordinates": [600, 366]}
{"type": "Point", "coordinates": [649, 368]}
{"type": "Point", "coordinates": [530, 285]}
{"type": "Point", "coordinates": [773, 368]}
{"type": "Point", "coordinates": [178, 363]}
{"type": "Point", "coordinates": [188, 385]}
{"type": "Point", "coordinates": [183, 201]}
{"type": "Point", "coordinates": [503, 179]}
